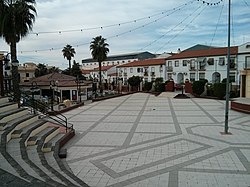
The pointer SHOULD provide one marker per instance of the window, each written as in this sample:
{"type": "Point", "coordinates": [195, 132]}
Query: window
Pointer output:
{"type": "Point", "coordinates": [232, 62]}
{"type": "Point", "coordinates": [232, 77]}
{"type": "Point", "coordinates": [247, 66]}
{"type": "Point", "coordinates": [123, 61]}
{"type": "Point", "coordinates": [176, 63]}
{"type": "Point", "coordinates": [27, 74]}
{"type": "Point", "coordinates": [184, 63]}
{"type": "Point", "coordinates": [139, 70]}
{"type": "Point", "coordinates": [201, 76]}
{"type": "Point", "coordinates": [169, 63]}
{"type": "Point", "coordinates": [152, 69]}
{"type": "Point", "coordinates": [210, 61]}
{"type": "Point", "coordinates": [125, 70]}
{"type": "Point", "coordinates": [113, 63]}
{"type": "Point", "coordinates": [221, 61]}
{"type": "Point", "coordinates": [192, 77]}
{"type": "Point", "coordinates": [131, 70]}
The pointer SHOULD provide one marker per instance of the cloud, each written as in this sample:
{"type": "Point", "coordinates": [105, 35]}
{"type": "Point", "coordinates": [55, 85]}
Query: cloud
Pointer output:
{"type": "Point", "coordinates": [181, 27]}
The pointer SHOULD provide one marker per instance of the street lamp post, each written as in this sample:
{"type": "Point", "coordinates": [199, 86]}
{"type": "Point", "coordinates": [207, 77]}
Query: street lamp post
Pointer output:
{"type": "Point", "coordinates": [33, 89]}
{"type": "Point", "coordinates": [79, 81]}
{"type": "Point", "coordinates": [228, 70]}
{"type": "Point", "coordinates": [53, 84]}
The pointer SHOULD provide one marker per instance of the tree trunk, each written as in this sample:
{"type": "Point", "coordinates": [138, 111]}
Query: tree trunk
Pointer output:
{"type": "Point", "coordinates": [15, 75]}
{"type": "Point", "coordinates": [100, 77]}
{"type": "Point", "coordinates": [69, 67]}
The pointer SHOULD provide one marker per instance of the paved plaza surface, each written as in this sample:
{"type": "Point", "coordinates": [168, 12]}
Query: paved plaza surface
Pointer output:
{"type": "Point", "coordinates": [148, 141]}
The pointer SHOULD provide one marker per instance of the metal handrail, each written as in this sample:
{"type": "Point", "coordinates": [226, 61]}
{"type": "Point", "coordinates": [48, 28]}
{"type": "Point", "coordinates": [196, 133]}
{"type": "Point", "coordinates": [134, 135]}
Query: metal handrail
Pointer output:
{"type": "Point", "coordinates": [37, 105]}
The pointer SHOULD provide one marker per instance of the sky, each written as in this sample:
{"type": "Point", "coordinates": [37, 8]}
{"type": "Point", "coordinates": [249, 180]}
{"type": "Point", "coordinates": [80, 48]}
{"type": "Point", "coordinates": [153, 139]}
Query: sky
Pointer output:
{"type": "Point", "coordinates": [130, 26]}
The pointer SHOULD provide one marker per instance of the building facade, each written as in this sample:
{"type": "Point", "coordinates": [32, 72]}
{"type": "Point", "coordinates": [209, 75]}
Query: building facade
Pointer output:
{"type": "Point", "coordinates": [27, 71]}
{"type": "Point", "coordinates": [244, 59]}
{"type": "Point", "coordinates": [117, 60]}
{"type": "Point", "coordinates": [210, 64]}
{"type": "Point", "coordinates": [148, 70]}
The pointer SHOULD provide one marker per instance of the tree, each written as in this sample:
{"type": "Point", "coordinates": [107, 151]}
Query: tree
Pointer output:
{"type": "Point", "coordinates": [99, 50]}
{"type": "Point", "coordinates": [68, 52]}
{"type": "Point", "coordinates": [16, 20]}
{"type": "Point", "coordinates": [41, 70]}
{"type": "Point", "coordinates": [75, 70]}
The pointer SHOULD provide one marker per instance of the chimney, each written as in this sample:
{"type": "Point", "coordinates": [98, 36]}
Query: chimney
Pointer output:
{"type": "Point", "coordinates": [179, 50]}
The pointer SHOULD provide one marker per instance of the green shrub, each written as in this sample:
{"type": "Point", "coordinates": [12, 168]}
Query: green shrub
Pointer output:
{"type": "Point", "coordinates": [134, 81]}
{"type": "Point", "coordinates": [148, 86]}
{"type": "Point", "coordinates": [198, 87]}
{"type": "Point", "coordinates": [219, 90]}
{"type": "Point", "coordinates": [162, 87]}
{"type": "Point", "coordinates": [159, 84]}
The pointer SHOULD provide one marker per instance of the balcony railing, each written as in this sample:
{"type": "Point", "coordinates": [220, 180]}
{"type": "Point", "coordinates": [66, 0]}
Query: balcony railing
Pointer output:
{"type": "Point", "coordinates": [192, 69]}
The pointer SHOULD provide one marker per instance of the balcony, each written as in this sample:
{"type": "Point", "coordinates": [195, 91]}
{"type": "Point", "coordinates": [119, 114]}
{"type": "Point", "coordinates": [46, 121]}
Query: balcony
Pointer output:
{"type": "Point", "coordinates": [125, 74]}
{"type": "Point", "coordinates": [169, 68]}
{"type": "Point", "coordinates": [202, 69]}
{"type": "Point", "coordinates": [192, 69]}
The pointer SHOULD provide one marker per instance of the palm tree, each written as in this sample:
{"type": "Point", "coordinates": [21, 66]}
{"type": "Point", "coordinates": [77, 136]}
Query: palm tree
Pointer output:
{"type": "Point", "coordinates": [16, 20]}
{"type": "Point", "coordinates": [99, 50]}
{"type": "Point", "coordinates": [68, 52]}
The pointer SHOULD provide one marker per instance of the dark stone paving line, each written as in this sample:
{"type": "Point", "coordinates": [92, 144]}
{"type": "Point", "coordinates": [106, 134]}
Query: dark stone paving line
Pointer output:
{"type": "Point", "coordinates": [93, 105]}
{"type": "Point", "coordinates": [213, 171]}
{"type": "Point", "coordinates": [144, 166]}
{"type": "Point", "coordinates": [133, 129]}
{"type": "Point", "coordinates": [173, 179]}
{"type": "Point", "coordinates": [175, 120]}
{"type": "Point", "coordinates": [106, 146]}
{"type": "Point", "coordinates": [203, 110]}
{"type": "Point", "coordinates": [80, 136]}
{"type": "Point", "coordinates": [117, 149]}
{"type": "Point", "coordinates": [176, 167]}
{"type": "Point", "coordinates": [189, 131]}
{"type": "Point", "coordinates": [242, 159]}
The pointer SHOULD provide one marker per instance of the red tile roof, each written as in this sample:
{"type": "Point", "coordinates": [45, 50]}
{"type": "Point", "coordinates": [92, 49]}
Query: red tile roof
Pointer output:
{"type": "Point", "coordinates": [204, 53]}
{"type": "Point", "coordinates": [147, 62]}
{"type": "Point", "coordinates": [63, 80]}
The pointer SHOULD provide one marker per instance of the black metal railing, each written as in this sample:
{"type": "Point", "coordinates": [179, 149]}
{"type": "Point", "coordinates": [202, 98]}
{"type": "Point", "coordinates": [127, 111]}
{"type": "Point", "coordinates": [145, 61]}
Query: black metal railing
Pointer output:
{"type": "Point", "coordinates": [39, 106]}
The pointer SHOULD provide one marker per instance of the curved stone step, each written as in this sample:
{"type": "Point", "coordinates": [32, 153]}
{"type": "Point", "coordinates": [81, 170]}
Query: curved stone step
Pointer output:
{"type": "Point", "coordinates": [4, 100]}
{"type": "Point", "coordinates": [60, 162]}
{"type": "Point", "coordinates": [31, 155]}
{"type": "Point", "coordinates": [4, 107]}
{"type": "Point", "coordinates": [57, 173]}
{"type": "Point", "coordinates": [3, 126]}
{"type": "Point", "coordinates": [17, 166]}
{"type": "Point", "coordinates": [13, 114]}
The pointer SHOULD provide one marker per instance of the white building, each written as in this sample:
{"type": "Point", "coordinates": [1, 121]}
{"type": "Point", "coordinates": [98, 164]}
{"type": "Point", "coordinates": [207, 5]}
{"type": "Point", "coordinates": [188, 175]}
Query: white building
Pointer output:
{"type": "Point", "coordinates": [148, 69]}
{"type": "Point", "coordinates": [194, 64]}
{"type": "Point", "coordinates": [116, 59]}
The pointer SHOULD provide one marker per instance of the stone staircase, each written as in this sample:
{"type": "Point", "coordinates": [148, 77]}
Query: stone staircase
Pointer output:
{"type": "Point", "coordinates": [30, 149]}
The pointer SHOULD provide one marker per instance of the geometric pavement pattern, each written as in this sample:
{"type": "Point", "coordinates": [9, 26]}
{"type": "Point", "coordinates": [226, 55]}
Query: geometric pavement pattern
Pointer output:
{"type": "Point", "coordinates": [146, 140]}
